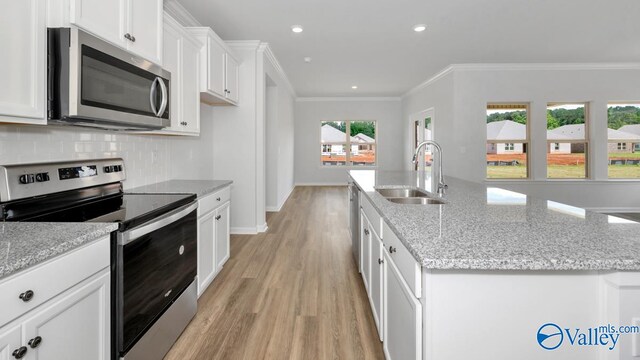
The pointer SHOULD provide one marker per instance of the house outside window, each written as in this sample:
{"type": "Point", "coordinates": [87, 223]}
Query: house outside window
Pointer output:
{"type": "Point", "coordinates": [507, 140]}
{"type": "Point", "coordinates": [339, 149]}
{"type": "Point", "coordinates": [567, 126]}
{"type": "Point", "coordinates": [556, 146]}
{"type": "Point", "coordinates": [623, 134]}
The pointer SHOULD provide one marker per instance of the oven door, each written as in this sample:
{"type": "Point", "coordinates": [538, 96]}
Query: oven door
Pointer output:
{"type": "Point", "coordinates": [155, 263]}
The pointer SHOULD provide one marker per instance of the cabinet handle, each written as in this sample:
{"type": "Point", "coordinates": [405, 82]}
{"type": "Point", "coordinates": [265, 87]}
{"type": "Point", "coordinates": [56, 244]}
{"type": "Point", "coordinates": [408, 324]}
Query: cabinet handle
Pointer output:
{"type": "Point", "coordinates": [20, 352]}
{"type": "Point", "coordinates": [133, 38]}
{"type": "Point", "coordinates": [380, 261]}
{"type": "Point", "coordinates": [26, 296]}
{"type": "Point", "coordinates": [392, 249]}
{"type": "Point", "coordinates": [127, 36]}
{"type": "Point", "coordinates": [218, 199]}
{"type": "Point", "coordinates": [35, 342]}
{"type": "Point", "coordinates": [366, 232]}
{"type": "Point", "coordinates": [218, 217]}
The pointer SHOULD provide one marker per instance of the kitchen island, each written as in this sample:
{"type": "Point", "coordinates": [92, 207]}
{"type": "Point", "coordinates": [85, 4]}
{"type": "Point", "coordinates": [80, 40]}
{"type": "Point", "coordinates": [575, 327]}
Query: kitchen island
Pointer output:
{"type": "Point", "coordinates": [489, 267]}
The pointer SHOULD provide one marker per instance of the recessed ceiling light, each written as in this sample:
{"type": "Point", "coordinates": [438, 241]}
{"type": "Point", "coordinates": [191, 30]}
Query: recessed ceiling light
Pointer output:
{"type": "Point", "coordinates": [307, 59]}
{"type": "Point", "coordinates": [419, 28]}
{"type": "Point", "coordinates": [354, 87]}
{"type": "Point", "coordinates": [297, 29]}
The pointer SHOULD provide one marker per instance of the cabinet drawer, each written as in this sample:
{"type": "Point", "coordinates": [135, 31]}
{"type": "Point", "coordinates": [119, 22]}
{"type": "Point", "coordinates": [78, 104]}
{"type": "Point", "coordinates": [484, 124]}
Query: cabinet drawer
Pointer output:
{"type": "Point", "coordinates": [51, 278]}
{"type": "Point", "coordinates": [372, 214]}
{"type": "Point", "coordinates": [210, 202]}
{"type": "Point", "coordinates": [404, 261]}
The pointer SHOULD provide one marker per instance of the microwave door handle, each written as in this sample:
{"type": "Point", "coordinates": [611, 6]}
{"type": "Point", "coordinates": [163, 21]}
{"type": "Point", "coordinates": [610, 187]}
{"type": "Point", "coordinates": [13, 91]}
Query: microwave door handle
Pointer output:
{"type": "Point", "coordinates": [152, 96]}
{"type": "Point", "coordinates": [165, 97]}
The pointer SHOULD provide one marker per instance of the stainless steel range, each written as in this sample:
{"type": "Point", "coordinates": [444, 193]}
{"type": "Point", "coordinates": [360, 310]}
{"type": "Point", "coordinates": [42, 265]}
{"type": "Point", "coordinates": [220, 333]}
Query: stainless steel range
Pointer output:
{"type": "Point", "coordinates": [153, 253]}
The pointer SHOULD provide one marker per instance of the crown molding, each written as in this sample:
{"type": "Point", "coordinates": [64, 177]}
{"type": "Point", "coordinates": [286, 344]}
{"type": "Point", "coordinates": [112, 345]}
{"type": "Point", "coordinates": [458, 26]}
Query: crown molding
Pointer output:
{"type": "Point", "coordinates": [522, 67]}
{"type": "Point", "coordinates": [346, 99]}
{"type": "Point", "coordinates": [180, 14]}
{"type": "Point", "coordinates": [271, 57]}
{"type": "Point", "coordinates": [244, 44]}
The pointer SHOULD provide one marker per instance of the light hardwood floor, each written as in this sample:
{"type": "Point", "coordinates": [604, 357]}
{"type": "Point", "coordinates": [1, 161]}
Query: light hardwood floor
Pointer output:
{"type": "Point", "coordinates": [291, 293]}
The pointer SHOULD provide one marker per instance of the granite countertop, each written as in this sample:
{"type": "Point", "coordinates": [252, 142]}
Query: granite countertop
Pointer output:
{"type": "Point", "coordinates": [24, 244]}
{"type": "Point", "coordinates": [484, 227]}
{"type": "Point", "coordinates": [199, 187]}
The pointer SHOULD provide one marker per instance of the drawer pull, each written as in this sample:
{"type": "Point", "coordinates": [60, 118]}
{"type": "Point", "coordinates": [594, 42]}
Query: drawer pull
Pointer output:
{"type": "Point", "coordinates": [366, 231]}
{"type": "Point", "coordinates": [26, 296]}
{"type": "Point", "coordinates": [20, 352]}
{"type": "Point", "coordinates": [218, 199]}
{"type": "Point", "coordinates": [218, 217]}
{"type": "Point", "coordinates": [35, 342]}
{"type": "Point", "coordinates": [392, 249]}
{"type": "Point", "coordinates": [380, 261]}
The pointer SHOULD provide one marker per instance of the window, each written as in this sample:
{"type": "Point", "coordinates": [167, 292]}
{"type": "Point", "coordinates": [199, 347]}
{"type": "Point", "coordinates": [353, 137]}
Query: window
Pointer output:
{"type": "Point", "coordinates": [624, 141]}
{"type": "Point", "coordinates": [357, 149]}
{"type": "Point", "coordinates": [567, 127]}
{"type": "Point", "coordinates": [507, 141]}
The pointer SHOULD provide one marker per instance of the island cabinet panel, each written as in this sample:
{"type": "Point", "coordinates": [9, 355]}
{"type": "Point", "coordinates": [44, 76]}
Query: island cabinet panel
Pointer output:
{"type": "Point", "coordinates": [373, 215]}
{"type": "Point", "coordinates": [10, 343]}
{"type": "Point", "coordinates": [402, 316]}
{"type": "Point", "coordinates": [376, 284]}
{"type": "Point", "coordinates": [222, 235]}
{"type": "Point", "coordinates": [365, 248]}
{"type": "Point", "coordinates": [406, 263]}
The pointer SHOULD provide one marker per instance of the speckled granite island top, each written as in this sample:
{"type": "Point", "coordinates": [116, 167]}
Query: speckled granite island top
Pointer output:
{"type": "Point", "coordinates": [24, 244]}
{"type": "Point", "coordinates": [483, 227]}
{"type": "Point", "coordinates": [199, 187]}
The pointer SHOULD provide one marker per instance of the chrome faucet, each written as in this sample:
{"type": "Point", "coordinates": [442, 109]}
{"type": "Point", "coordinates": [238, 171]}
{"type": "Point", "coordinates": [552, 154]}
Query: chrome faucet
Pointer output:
{"type": "Point", "coordinates": [442, 187]}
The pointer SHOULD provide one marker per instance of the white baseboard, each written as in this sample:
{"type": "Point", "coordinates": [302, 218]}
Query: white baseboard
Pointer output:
{"type": "Point", "coordinates": [322, 184]}
{"type": "Point", "coordinates": [262, 228]}
{"type": "Point", "coordinates": [279, 207]}
{"type": "Point", "coordinates": [243, 230]}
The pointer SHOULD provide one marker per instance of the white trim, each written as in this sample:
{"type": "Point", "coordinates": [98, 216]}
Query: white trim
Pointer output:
{"type": "Point", "coordinates": [178, 12]}
{"type": "Point", "coordinates": [244, 44]}
{"type": "Point", "coordinates": [243, 231]}
{"type": "Point", "coordinates": [271, 57]}
{"type": "Point", "coordinates": [279, 206]}
{"type": "Point", "coordinates": [262, 228]}
{"type": "Point", "coordinates": [346, 98]}
{"type": "Point", "coordinates": [614, 209]}
{"type": "Point", "coordinates": [323, 184]}
{"type": "Point", "coordinates": [524, 66]}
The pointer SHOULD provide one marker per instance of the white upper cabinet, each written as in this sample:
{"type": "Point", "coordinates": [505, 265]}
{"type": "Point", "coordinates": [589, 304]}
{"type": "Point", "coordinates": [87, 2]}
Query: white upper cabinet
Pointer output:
{"type": "Point", "coordinates": [135, 25]}
{"type": "Point", "coordinates": [219, 69]}
{"type": "Point", "coordinates": [106, 19]}
{"type": "Point", "coordinates": [145, 27]}
{"type": "Point", "coordinates": [23, 64]}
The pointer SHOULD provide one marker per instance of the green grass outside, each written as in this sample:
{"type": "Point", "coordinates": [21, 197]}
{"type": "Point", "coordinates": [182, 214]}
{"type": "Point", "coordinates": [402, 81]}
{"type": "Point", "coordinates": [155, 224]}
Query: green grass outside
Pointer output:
{"type": "Point", "coordinates": [625, 155]}
{"type": "Point", "coordinates": [562, 172]}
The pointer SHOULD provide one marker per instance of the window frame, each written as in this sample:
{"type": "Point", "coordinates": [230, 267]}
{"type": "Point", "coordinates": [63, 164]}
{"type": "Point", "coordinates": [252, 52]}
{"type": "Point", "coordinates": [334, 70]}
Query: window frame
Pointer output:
{"type": "Point", "coordinates": [516, 105]}
{"type": "Point", "coordinates": [586, 141]}
{"type": "Point", "coordinates": [347, 145]}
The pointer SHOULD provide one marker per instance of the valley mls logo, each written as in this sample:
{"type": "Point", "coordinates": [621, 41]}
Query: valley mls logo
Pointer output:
{"type": "Point", "coordinates": [550, 336]}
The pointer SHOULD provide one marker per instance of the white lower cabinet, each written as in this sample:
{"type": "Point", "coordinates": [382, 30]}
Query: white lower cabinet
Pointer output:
{"type": "Point", "coordinates": [213, 236]}
{"type": "Point", "coordinates": [376, 282]}
{"type": "Point", "coordinates": [402, 316]}
{"type": "Point", "coordinates": [365, 248]}
{"type": "Point", "coordinates": [52, 319]}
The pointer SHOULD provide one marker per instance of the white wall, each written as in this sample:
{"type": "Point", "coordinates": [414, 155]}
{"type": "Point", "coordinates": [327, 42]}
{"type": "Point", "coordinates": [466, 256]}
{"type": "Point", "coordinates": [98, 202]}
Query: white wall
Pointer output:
{"type": "Point", "coordinates": [310, 112]}
{"type": "Point", "coordinates": [148, 158]}
{"type": "Point", "coordinates": [473, 86]}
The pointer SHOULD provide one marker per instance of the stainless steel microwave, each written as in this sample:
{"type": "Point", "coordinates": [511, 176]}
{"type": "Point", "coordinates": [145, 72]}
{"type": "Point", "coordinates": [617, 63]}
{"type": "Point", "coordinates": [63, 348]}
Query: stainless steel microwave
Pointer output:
{"type": "Point", "coordinates": [93, 83]}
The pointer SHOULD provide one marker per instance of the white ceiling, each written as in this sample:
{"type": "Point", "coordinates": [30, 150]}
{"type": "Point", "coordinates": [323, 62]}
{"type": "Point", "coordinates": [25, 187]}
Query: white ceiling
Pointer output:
{"type": "Point", "coordinates": [371, 44]}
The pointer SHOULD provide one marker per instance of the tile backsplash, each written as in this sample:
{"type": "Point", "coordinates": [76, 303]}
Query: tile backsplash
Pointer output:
{"type": "Point", "coordinates": [148, 158]}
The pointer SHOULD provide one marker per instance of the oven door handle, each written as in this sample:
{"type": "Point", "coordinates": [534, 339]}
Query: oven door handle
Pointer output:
{"type": "Point", "coordinates": [133, 234]}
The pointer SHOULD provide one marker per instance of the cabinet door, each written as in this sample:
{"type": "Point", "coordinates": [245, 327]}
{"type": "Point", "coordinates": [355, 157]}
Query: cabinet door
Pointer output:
{"type": "Point", "coordinates": [232, 78]}
{"type": "Point", "coordinates": [402, 316]}
{"type": "Point", "coordinates": [106, 19]}
{"type": "Point", "coordinates": [365, 248]}
{"type": "Point", "coordinates": [222, 235]}
{"type": "Point", "coordinates": [75, 327]}
{"type": "Point", "coordinates": [10, 341]}
{"type": "Point", "coordinates": [145, 22]}
{"type": "Point", "coordinates": [375, 286]}
{"type": "Point", "coordinates": [206, 250]}
{"type": "Point", "coordinates": [23, 64]}
{"type": "Point", "coordinates": [216, 68]}
{"type": "Point", "coordinates": [172, 50]}
{"type": "Point", "coordinates": [191, 86]}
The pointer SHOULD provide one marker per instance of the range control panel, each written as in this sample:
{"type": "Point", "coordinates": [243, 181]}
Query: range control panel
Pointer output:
{"type": "Point", "coordinates": [28, 180]}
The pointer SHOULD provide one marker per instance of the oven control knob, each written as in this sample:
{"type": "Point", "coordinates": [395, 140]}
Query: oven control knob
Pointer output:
{"type": "Point", "coordinates": [42, 177]}
{"type": "Point", "coordinates": [26, 179]}
{"type": "Point", "coordinates": [108, 169]}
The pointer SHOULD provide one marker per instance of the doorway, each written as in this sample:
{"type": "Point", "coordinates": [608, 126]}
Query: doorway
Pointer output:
{"type": "Point", "coordinates": [423, 129]}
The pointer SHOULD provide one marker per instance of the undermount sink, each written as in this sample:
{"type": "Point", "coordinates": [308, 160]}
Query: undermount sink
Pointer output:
{"type": "Point", "coordinates": [416, 201]}
{"type": "Point", "coordinates": [409, 197]}
{"type": "Point", "coordinates": [403, 193]}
